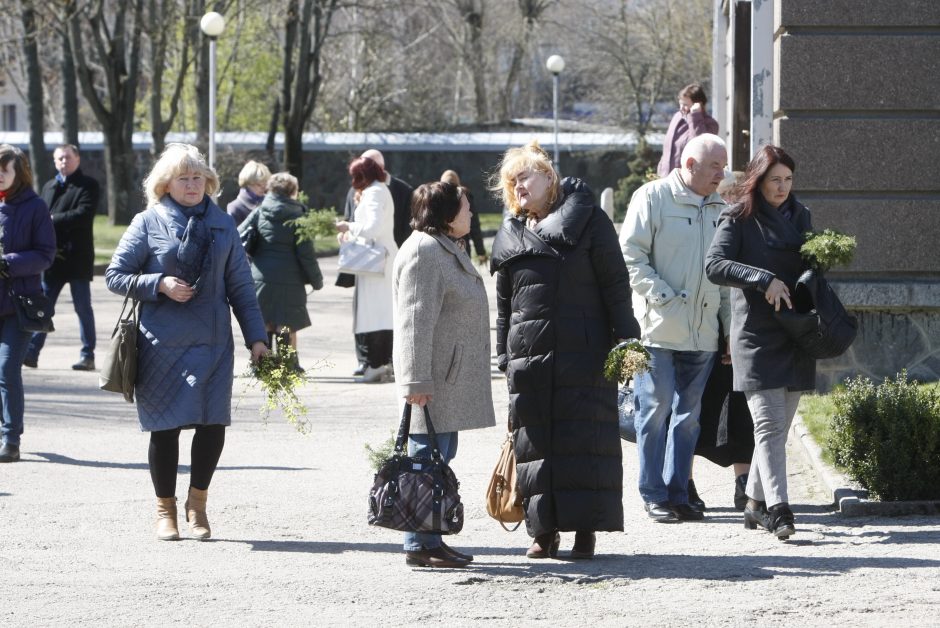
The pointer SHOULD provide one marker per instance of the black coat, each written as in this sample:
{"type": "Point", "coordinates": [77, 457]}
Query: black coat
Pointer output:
{"type": "Point", "coordinates": [563, 296]}
{"type": "Point", "coordinates": [73, 206]}
{"type": "Point", "coordinates": [747, 254]}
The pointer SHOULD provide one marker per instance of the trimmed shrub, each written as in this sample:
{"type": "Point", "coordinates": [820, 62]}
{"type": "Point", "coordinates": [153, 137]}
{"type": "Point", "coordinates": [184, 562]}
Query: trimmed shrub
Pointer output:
{"type": "Point", "coordinates": [888, 437]}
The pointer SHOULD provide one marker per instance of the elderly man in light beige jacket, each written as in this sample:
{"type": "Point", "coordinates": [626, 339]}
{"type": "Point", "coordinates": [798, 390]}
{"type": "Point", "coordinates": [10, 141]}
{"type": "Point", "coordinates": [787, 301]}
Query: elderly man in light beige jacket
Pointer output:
{"type": "Point", "coordinates": [442, 340]}
{"type": "Point", "coordinates": [667, 231]}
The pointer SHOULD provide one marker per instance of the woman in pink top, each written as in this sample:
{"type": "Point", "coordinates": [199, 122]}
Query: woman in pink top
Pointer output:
{"type": "Point", "coordinates": [690, 121]}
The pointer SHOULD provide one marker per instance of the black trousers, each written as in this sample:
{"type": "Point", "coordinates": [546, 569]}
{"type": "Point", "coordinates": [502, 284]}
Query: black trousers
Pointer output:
{"type": "Point", "coordinates": [375, 347]}
{"type": "Point", "coordinates": [164, 454]}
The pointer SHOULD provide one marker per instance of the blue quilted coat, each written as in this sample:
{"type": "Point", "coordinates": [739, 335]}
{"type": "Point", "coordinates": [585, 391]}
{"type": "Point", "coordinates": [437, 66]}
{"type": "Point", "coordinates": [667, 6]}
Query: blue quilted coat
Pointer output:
{"type": "Point", "coordinates": [185, 350]}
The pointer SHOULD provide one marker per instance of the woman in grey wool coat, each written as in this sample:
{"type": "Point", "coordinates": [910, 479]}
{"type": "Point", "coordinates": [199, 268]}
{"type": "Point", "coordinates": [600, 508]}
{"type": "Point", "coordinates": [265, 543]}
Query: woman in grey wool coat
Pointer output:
{"type": "Point", "coordinates": [182, 258]}
{"type": "Point", "coordinates": [442, 340]}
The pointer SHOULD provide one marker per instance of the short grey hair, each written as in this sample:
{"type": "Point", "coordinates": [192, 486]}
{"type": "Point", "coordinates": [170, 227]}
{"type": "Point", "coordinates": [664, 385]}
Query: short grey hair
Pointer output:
{"type": "Point", "coordinates": [700, 146]}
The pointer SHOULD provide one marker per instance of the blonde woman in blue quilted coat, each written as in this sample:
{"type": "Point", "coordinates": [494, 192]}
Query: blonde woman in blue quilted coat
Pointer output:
{"type": "Point", "coordinates": [182, 258]}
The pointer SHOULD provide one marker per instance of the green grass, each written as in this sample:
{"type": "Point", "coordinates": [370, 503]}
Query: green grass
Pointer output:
{"type": "Point", "coordinates": [817, 411]}
{"type": "Point", "coordinates": [107, 238]}
{"type": "Point", "coordinates": [490, 222]}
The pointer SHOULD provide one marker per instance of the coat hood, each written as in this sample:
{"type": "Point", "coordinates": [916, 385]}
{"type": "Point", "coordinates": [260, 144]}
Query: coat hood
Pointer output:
{"type": "Point", "coordinates": [564, 226]}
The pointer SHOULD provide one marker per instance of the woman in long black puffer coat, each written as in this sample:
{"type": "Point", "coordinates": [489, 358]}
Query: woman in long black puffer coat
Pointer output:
{"type": "Point", "coordinates": [563, 301]}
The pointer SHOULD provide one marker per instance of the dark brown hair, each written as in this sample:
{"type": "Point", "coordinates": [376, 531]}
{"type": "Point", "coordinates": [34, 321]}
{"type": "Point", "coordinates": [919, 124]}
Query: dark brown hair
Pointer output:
{"type": "Point", "coordinates": [23, 176]}
{"type": "Point", "coordinates": [364, 172]}
{"type": "Point", "coordinates": [434, 206]}
{"type": "Point", "coordinates": [745, 193]}
{"type": "Point", "coordinates": [694, 92]}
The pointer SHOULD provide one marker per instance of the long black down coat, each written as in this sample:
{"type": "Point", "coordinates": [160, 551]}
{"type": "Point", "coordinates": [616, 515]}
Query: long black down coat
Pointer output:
{"type": "Point", "coordinates": [563, 296]}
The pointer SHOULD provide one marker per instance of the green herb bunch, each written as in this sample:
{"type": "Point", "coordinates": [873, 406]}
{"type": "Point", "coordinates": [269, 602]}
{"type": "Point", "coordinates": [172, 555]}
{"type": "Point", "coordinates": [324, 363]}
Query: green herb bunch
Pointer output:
{"type": "Point", "coordinates": [382, 452]}
{"type": "Point", "coordinates": [626, 360]}
{"type": "Point", "coordinates": [828, 248]}
{"type": "Point", "coordinates": [316, 223]}
{"type": "Point", "coordinates": [279, 381]}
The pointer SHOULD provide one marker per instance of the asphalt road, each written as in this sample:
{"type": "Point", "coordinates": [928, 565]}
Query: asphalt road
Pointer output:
{"type": "Point", "coordinates": [291, 545]}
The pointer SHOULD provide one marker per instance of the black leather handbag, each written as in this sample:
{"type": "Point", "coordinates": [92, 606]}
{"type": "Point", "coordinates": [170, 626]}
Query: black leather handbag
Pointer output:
{"type": "Point", "coordinates": [416, 494]}
{"type": "Point", "coordinates": [33, 312]}
{"type": "Point", "coordinates": [818, 322]}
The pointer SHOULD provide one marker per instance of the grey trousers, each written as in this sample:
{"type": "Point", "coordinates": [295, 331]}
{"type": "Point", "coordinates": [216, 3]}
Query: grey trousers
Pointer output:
{"type": "Point", "coordinates": [772, 410]}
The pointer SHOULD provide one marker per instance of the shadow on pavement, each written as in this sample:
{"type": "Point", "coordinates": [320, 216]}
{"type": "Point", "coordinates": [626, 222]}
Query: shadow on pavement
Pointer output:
{"type": "Point", "coordinates": [317, 547]}
{"type": "Point", "coordinates": [183, 468]}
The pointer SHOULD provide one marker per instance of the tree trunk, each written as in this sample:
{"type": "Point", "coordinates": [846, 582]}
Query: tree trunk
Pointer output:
{"type": "Point", "coordinates": [39, 160]}
{"type": "Point", "coordinates": [69, 95]}
{"type": "Point", "coordinates": [124, 199]}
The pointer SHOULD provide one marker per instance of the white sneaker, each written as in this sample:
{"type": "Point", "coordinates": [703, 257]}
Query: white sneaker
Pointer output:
{"type": "Point", "coordinates": [375, 375]}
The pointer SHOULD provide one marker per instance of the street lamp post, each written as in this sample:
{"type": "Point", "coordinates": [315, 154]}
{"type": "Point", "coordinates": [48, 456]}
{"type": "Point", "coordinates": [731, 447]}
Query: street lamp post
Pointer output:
{"type": "Point", "coordinates": [555, 65]}
{"type": "Point", "coordinates": [212, 24]}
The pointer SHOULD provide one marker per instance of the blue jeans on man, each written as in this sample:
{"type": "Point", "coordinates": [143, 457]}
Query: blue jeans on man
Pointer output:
{"type": "Point", "coordinates": [81, 300]}
{"type": "Point", "coordinates": [13, 343]}
{"type": "Point", "coordinates": [669, 393]}
{"type": "Point", "coordinates": [420, 445]}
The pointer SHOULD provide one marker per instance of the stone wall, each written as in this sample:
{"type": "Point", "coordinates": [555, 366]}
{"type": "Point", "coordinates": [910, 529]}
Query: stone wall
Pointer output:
{"type": "Point", "coordinates": [856, 105]}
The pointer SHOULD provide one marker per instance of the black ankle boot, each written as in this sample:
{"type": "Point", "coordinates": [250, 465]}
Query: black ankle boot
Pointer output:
{"type": "Point", "coordinates": [740, 496]}
{"type": "Point", "coordinates": [780, 521]}
{"type": "Point", "coordinates": [583, 548]}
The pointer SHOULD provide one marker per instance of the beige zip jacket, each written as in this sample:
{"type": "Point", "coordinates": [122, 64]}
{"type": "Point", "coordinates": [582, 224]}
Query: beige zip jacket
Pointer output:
{"type": "Point", "coordinates": [664, 239]}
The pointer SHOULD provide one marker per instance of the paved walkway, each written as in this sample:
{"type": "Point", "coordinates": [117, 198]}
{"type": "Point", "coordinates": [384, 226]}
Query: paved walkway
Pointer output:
{"type": "Point", "coordinates": [291, 545]}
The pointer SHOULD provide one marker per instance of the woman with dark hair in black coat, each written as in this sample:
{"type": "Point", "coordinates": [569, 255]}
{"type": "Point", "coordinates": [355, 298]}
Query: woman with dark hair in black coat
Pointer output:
{"type": "Point", "coordinates": [756, 250]}
{"type": "Point", "coordinates": [563, 301]}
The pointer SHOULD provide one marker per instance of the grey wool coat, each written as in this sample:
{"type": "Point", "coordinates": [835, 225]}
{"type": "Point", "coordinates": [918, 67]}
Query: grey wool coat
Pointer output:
{"type": "Point", "coordinates": [442, 334]}
{"type": "Point", "coordinates": [185, 350]}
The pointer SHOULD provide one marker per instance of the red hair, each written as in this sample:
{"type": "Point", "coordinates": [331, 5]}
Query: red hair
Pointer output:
{"type": "Point", "coordinates": [364, 172]}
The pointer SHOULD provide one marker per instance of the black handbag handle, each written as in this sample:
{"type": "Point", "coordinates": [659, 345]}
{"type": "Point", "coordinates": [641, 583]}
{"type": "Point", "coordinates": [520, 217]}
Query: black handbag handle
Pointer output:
{"type": "Point", "coordinates": [404, 429]}
{"type": "Point", "coordinates": [134, 311]}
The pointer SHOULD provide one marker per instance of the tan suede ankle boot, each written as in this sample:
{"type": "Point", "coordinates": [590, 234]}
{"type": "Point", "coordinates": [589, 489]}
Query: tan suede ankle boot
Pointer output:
{"type": "Point", "coordinates": [166, 519]}
{"type": "Point", "coordinates": [196, 514]}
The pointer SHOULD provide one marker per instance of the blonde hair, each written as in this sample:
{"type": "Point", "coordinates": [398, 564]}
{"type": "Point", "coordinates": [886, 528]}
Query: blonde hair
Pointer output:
{"type": "Point", "coordinates": [449, 176]}
{"type": "Point", "coordinates": [253, 173]}
{"type": "Point", "coordinates": [516, 161]}
{"type": "Point", "coordinates": [178, 159]}
{"type": "Point", "coordinates": [283, 184]}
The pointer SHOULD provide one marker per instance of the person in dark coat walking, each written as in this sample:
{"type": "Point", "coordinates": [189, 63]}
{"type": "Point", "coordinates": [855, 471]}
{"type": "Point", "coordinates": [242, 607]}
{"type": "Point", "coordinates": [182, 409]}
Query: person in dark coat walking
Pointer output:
{"type": "Point", "coordinates": [182, 259]}
{"type": "Point", "coordinates": [72, 197]}
{"type": "Point", "coordinates": [756, 251]}
{"type": "Point", "coordinates": [252, 186]}
{"type": "Point", "coordinates": [27, 248]}
{"type": "Point", "coordinates": [563, 301]}
{"type": "Point", "coordinates": [281, 266]}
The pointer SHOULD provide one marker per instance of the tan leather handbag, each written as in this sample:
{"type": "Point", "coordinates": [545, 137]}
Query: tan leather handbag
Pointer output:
{"type": "Point", "coordinates": [503, 502]}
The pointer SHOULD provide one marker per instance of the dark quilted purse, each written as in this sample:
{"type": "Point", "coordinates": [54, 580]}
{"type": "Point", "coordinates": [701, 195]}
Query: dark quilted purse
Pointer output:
{"type": "Point", "coordinates": [818, 322]}
{"type": "Point", "coordinates": [416, 494]}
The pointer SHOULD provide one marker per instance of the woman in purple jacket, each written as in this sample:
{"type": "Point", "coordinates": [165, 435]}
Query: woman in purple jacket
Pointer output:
{"type": "Point", "coordinates": [690, 121]}
{"type": "Point", "coordinates": [27, 247]}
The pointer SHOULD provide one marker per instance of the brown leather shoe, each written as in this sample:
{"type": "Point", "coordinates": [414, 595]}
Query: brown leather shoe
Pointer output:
{"type": "Point", "coordinates": [545, 546]}
{"type": "Point", "coordinates": [436, 557]}
{"type": "Point", "coordinates": [450, 550]}
{"type": "Point", "coordinates": [583, 546]}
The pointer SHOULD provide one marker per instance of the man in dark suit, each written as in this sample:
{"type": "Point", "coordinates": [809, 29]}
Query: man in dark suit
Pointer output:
{"type": "Point", "coordinates": [401, 199]}
{"type": "Point", "coordinates": [72, 198]}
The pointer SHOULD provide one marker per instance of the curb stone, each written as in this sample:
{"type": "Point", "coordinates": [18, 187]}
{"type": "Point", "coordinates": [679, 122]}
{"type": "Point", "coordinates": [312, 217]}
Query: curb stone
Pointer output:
{"type": "Point", "coordinates": [848, 498]}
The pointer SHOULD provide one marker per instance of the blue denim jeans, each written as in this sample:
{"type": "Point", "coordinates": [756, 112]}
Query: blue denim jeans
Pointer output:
{"type": "Point", "coordinates": [13, 343]}
{"type": "Point", "coordinates": [418, 445]}
{"type": "Point", "coordinates": [81, 300]}
{"type": "Point", "coordinates": [669, 394]}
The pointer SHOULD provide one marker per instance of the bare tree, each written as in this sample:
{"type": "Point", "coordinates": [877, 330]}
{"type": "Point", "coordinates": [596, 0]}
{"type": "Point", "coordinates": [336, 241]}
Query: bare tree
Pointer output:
{"type": "Point", "coordinates": [165, 48]}
{"type": "Point", "coordinates": [307, 30]}
{"type": "Point", "coordinates": [530, 14]}
{"type": "Point", "coordinates": [105, 40]}
{"type": "Point", "coordinates": [39, 162]}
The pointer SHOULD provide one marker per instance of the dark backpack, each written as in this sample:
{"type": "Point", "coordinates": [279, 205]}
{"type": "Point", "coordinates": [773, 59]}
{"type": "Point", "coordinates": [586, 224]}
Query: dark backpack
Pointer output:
{"type": "Point", "coordinates": [818, 323]}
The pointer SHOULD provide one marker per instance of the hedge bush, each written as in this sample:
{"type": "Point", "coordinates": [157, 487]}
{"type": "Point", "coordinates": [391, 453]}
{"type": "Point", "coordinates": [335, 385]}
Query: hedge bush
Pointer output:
{"type": "Point", "coordinates": [888, 437]}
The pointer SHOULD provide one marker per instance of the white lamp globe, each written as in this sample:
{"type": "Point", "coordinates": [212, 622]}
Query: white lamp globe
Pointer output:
{"type": "Point", "coordinates": [555, 64]}
{"type": "Point", "coordinates": [212, 24]}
